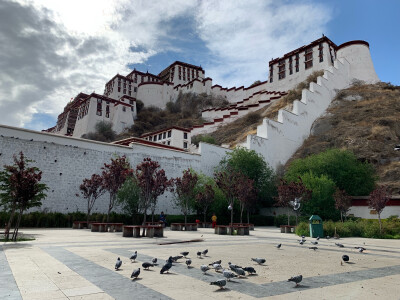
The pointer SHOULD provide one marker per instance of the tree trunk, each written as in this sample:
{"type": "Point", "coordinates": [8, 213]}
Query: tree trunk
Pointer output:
{"type": "Point", "coordinates": [341, 216]}
{"type": "Point", "coordinates": [110, 206]}
{"type": "Point", "coordinates": [288, 216]}
{"type": "Point", "coordinates": [232, 220]}
{"type": "Point", "coordinates": [241, 215]}
{"type": "Point", "coordinates": [185, 214]}
{"type": "Point", "coordinates": [380, 223]}
{"type": "Point", "coordinates": [10, 220]}
{"type": "Point", "coordinates": [248, 217]}
{"type": "Point", "coordinates": [15, 234]}
{"type": "Point", "coordinates": [144, 221]}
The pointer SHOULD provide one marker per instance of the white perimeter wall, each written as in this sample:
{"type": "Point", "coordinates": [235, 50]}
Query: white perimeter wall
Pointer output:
{"type": "Point", "coordinates": [66, 161]}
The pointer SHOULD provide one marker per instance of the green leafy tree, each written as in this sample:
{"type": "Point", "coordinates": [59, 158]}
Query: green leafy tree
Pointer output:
{"type": "Point", "coordinates": [128, 196]}
{"type": "Point", "coordinates": [341, 166]}
{"type": "Point", "coordinates": [184, 190]}
{"type": "Point", "coordinates": [20, 190]}
{"type": "Point", "coordinates": [321, 202]}
{"type": "Point", "coordinates": [103, 132]}
{"type": "Point", "coordinates": [253, 165]}
{"type": "Point", "coordinates": [342, 202]}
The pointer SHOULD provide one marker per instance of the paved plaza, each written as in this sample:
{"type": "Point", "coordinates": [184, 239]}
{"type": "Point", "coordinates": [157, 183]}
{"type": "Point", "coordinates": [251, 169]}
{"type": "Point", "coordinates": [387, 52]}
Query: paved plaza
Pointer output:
{"type": "Point", "coordinates": [79, 264]}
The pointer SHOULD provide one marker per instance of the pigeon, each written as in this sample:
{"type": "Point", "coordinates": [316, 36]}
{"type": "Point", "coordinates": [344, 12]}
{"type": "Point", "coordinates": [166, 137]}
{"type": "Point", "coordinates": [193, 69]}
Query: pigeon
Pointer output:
{"type": "Point", "coordinates": [231, 265]}
{"type": "Point", "coordinates": [303, 236]}
{"type": "Point", "coordinates": [167, 266]}
{"type": "Point", "coordinates": [188, 262]}
{"type": "Point", "coordinates": [154, 261]}
{"type": "Point", "coordinates": [339, 245]}
{"type": "Point", "coordinates": [250, 270]}
{"type": "Point", "coordinates": [133, 256]}
{"type": "Point", "coordinates": [239, 271]}
{"type": "Point", "coordinates": [361, 249]}
{"type": "Point", "coordinates": [313, 248]}
{"type": "Point", "coordinates": [217, 267]}
{"type": "Point", "coordinates": [328, 237]}
{"type": "Point", "coordinates": [118, 264]}
{"type": "Point", "coordinates": [314, 243]}
{"type": "Point", "coordinates": [185, 253]}
{"type": "Point", "coordinates": [147, 265]}
{"type": "Point", "coordinates": [301, 242]}
{"type": "Point", "coordinates": [345, 258]}
{"type": "Point", "coordinates": [258, 260]}
{"type": "Point", "coordinates": [296, 279]}
{"type": "Point", "coordinates": [135, 273]}
{"type": "Point", "coordinates": [220, 282]}
{"type": "Point", "coordinates": [228, 274]}
{"type": "Point", "coordinates": [317, 238]}
{"type": "Point", "coordinates": [199, 253]}
{"type": "Point", "coordinates": [205, 252]}
{"type": "Point", "coordinates": [279, 246]}
{"type": "Point", "coordinates": [215, 262]}
{"type": "Point", "coordinates": [175, 258]}
{"type": "Point", "coordinates": [204, 268]}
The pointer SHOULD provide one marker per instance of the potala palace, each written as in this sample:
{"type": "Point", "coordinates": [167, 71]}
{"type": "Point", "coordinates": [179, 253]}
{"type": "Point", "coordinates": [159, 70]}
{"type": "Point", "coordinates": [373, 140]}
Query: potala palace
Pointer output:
{"type": "Point", "coordinates": [66, 159]}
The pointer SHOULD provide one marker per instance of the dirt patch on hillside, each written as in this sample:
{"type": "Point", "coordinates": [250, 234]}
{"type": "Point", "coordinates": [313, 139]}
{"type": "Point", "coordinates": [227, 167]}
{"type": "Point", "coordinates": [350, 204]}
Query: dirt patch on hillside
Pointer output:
{"type": "Point", "coordinates": [366, 120]}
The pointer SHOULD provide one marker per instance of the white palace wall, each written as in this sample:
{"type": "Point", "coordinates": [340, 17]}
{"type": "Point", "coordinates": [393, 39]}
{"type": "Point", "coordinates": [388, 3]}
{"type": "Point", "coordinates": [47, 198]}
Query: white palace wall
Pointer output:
{"type": "Point", "coordinates": [66, 161]}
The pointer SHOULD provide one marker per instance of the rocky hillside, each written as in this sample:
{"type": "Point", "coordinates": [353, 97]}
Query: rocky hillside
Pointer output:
{"type": "Point", "coordinates": [366, 120]}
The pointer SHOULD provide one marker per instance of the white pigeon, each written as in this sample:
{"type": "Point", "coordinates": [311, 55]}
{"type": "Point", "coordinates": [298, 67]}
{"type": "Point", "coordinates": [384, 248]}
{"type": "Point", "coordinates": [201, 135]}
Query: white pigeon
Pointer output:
{"type": "Point", "coordinates": [217, 267]}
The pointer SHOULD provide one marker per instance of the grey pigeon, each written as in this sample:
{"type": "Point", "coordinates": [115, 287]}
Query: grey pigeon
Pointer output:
{"type": "Point", "coordinates": [166, 266]}
{"type": "Point", "coordinates": [296, 279]}
{"type": "Point", "coordinates": [217, 267]}
{"type": "Point", "coordinates": [199, 253]}
{"type": "Point", "coordinates": [185, 253]}
{"type": "Point", "coordinates": [220, 282]}
{"type": "Point", "coordinates": [154, 261]}
{"type": "Point", "coordinates": [250, 270]}
{"type": "Point", "coordinates": [228, 274]}
{"type": "Point", "coordinates": [231, 265]}
{"type": "Point", "coordinates": [188, 262]}
{"type": "Point", "coordinates": [175, 258]}
{"type": "Point", "coordinates": [118, 264]}
{"type": "Point", "coordinates": [313, 248]}
{"type": "Point", "coordinates": [204, 268]}
{"type": "Point", "coordinates": [147, 265]}
{"type": "Point", "coordinates": [339, 245]}
{"type": "Point", "coordinates": [239, 271]}
{"type": "Point", "coordinates": [215, 262]}
{"type": "Point", "coordinates": [135, 273]}
{"type": "Point", "coordinates": [301, 242]}
{"type": "Point", "coordinates": [314, 243]}
{"type": "Point", "coordinates": [328, 237]}
{"type": "Point", "coordinates": [133, 256]}
{"type": "Point", "coordinates": [205, 252]}
{"type": "Point", "coordinates": [361, 249]}
{"type": "Point", "coordinates": [279, 246]}
{"type": "Point", "coordinates": [258, 260]}
{"type": "Point", "coordinates": [317, 238]}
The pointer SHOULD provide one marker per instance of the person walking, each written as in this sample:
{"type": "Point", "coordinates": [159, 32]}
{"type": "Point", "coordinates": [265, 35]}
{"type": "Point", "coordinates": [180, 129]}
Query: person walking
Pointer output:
{"type": "Point", "coordinates": [214, 220]}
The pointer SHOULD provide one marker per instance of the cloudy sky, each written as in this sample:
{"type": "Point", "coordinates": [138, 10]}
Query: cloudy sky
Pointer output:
{"type": "Point", "coordinates": [52, 50]}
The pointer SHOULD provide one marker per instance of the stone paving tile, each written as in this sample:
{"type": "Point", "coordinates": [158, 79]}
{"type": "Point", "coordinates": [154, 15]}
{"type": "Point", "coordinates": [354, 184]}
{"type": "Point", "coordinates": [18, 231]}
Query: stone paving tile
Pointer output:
{"type": "Point", "coordinates": [8, 288]}
{"type": "Point", "coordinates": [109, 281]}
{"type": "Point", "coordinates": [87, 290]}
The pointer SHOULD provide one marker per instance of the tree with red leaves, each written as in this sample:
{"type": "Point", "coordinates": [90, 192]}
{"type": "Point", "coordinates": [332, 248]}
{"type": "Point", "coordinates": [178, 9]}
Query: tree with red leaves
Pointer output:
{"type": "Point", "coordinates": [227, 181]}
{"type": "Point", "coordinates": [91, 189]}
{"type": "Point", "coordinates": [378, 200]}
{"type": "Point", "coordinates": [152, 183]}
{"type": "Point", "coordinates": [342, 202]}
{"type": "Point", "coordinates": [184, 190]}
{"type": "Point", "coordinates": [114, 176]}
{"type": "Point", "coordinates": [205, 198]}
{"type": "Point", "coordinates": [246, 195]}
{"type": "Point", "coordinates": [21, 190]}
{"type": "Point", "coordinates": [288, 192]}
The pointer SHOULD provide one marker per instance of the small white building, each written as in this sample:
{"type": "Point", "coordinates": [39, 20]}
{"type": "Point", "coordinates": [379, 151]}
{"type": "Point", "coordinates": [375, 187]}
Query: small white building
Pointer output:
{"type": "Point", "coordinates": [174, 136]}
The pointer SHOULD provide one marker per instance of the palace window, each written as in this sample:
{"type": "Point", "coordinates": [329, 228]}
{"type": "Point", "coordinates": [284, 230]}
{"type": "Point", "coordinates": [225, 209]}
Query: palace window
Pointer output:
{"type": "Point", "coordinates": [155, 138]}
{"type": "Point", "coordinates": [169, 143]}
{"type": "Point", "coordinates": [123, 108]}
{"type": "Point", "coordinates": [99, 108]}
{"type": "Point", "coordinates": [132, 108]}
{"type": "Point", "coordinates": [135, 89]}
{"type": "Point", "coordinates": [308, 62]}
{"type": "Point", "coordinates": [107, 111]}
{"type": "Point", "coordinates": [150, 138]}
{"type": "Point", "coordinates": [184, 145]}
{"type": "Point", "coordinates": [131, 102]}
{"type": "Point", "coordinates": [197, 73]}
{"type": "Point", "coordinates": [290, 66]}
{"type": "Point", "coordinates": [281, 68]}
{"type": "Point", "coordinates": [119, 89]}
{"type": "Point", "coordinates": [185, 135]}
{"type": "Point", "coordinates": [297, 62]}
{"type": "Point", "coordinates": [164, 135]}
{"type": "Point", "coordinates": [130, 93]}
{"type": "Point", "coordinates": [160, 136]}
{"type": "Point", "coordinates": [169, 133]}
{"type": "Point", "coordinates": [321, 52]}
{"type": "Point", "coordinates": [192, 73]}
{"type": "Point", "coordinates": [271, 73]}
{"type": "Point", "coordinates": [124, 91]}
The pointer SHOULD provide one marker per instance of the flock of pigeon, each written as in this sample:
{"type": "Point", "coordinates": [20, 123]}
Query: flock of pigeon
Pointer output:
{"type": "Point", "coordinates": [228, 273]}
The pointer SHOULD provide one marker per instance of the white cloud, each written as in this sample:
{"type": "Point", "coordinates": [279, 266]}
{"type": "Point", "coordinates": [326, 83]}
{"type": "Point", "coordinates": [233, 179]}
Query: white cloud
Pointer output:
{"type": "Point", "coordinates": [245, 35]}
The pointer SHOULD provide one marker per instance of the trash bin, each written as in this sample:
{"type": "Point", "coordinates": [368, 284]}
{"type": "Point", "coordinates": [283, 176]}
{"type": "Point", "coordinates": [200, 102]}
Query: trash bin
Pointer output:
{"type": "Point", "coordinates": [316, 228]}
